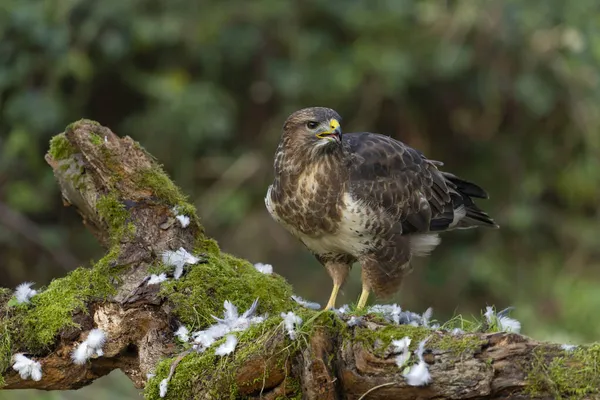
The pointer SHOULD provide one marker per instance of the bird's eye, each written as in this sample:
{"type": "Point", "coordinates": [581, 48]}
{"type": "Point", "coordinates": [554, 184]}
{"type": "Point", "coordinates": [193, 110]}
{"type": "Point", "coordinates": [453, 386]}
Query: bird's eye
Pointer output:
{"type": "Point", "coordinates": [312, 124]}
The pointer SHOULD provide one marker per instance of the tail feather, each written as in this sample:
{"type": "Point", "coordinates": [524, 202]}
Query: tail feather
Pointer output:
{"type": "Point", "coordinates": [476, 217]}
{"type": "Point", "coordinates": [463, 213]}
{"type": "Point", "coordinates": [466, 187]}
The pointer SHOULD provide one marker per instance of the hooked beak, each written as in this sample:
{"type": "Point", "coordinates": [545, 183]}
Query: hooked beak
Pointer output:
{"type": "Point", "coordinates": [333, 133]}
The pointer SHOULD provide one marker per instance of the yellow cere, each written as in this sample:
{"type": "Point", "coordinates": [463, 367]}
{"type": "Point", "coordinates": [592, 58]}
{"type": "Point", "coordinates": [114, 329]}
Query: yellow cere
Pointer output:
{"type": "Point", "coordinates": [334, 124]}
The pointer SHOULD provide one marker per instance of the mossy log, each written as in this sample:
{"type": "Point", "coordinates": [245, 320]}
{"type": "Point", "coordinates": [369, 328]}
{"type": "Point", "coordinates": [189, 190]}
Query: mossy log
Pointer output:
{"type": "Point", "coordinates": [127, 201]}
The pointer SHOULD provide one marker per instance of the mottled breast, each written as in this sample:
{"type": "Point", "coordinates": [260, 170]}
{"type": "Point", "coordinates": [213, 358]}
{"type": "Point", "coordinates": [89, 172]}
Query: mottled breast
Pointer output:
{"type": "Point", "coordinates": [352, 236]}
{"type": "Point", "coordinates": [307, 203]}
{"type": "Point", "coordinates": [325, 218]}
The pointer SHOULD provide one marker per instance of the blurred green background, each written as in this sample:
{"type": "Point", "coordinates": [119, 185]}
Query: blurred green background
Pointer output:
{"type": "Point", "coordinates": [504, 92]}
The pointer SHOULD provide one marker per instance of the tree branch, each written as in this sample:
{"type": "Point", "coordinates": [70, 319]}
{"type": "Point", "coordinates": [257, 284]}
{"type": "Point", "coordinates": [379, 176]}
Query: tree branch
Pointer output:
{"type": "Point", "coordinates": [130, 205]}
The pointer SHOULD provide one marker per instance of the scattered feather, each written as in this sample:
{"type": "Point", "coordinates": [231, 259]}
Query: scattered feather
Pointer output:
{"type": "Point", "coordinates": [426, 317]}
{"type": "Point", "coordinates": [264, 268]}
{"type": "Point", "coordinates": [290, 321]}
{"type": "Point", "coordinates": [400, 347]}
{"type": "Point", "coordinates": [156, 279]}
{"type": "Point", "coordinates": [354, 321]}
{"type": "Point", "coordinates": [509, 324]}
{"type": "Point", "coordinates": [178, 259]}
{"type": "Point", "coordinates": [183, 333]}
{"type": "Point", "coordinates": [342, 310]}
{"type": "Point", "coordinates": [163, 387]}
{"type": "Point", "coordinates": [27, 368]}
{"type": "Point", "coordinates": [504, 323]}
{"type": "Point", "coordinates": [204, 339]}
{"type": "Point", "coordinates": [91, 346]}
{"type": "Point", "coordinates": [505, 312]}
{"type": "Point", "coordinates": [391, 312]}
{"type": "Point", "coordinates": [250, 311]}
{"type": "Point", "coordinates": [418, 374]}
{"type": "Point", "coordinates": [231, 322]}
{"type": "Point", "coordinates": [82, 353]}
{"type": "Point", "coordinates": [568, 347]}
{"type": "Point", "coordinates": [218, 330]}
{"type": "Point", "coordinates": [231, 312]}
{"type": "Point", "coordinates": [23, 292]}
{"type": "Point", "coordinates": [184, 220]}
{"type": "Point", "coordinates": [421, 349]}
{"type": "Point", "coordinates": [96, 338]}
{"type": "Point", "coordinates": [228, 347]}
{"type": "Point", "coordinates": [489, 314]}
{"type": "Point", "coordinates": [308, 304]}
{"type": "Point", "coordinates": [178, 271]}
{"type": "Point", "coordinates": [457, 331]}
{"type": "Point", "coordinates": [239, 323]}
{"type": "Point", "coordinates": [150, 376]}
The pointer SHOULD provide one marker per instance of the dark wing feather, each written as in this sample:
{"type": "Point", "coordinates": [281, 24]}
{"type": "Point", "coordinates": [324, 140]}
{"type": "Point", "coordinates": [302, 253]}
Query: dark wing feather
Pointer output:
{"type": "Point", "coordinates": [391, 175]}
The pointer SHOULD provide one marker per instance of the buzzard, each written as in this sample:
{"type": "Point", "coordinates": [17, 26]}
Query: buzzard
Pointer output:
{"type": "Point", "coordinates": [364, 197]}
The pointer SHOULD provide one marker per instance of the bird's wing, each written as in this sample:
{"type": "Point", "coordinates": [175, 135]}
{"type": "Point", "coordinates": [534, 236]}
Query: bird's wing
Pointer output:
{"type": "Point", "coordinates": [390, 175]}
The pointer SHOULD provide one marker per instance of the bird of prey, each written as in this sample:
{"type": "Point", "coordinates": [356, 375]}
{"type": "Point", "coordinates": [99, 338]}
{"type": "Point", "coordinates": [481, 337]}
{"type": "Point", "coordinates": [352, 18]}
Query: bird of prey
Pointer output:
{"type": "Point", "coordinates": [364, 197]}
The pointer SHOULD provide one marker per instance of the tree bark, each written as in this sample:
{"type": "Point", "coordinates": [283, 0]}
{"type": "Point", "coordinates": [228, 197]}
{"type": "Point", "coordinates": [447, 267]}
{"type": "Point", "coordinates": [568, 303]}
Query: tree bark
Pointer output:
{"type": "Point", "coordinates": [331, 360]}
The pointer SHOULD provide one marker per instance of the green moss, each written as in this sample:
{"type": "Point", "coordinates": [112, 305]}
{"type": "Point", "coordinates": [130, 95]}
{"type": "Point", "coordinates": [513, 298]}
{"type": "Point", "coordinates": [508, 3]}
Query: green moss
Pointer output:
{"type": "Point", "coordinates": [5, 295]}
{"type": "Point", "coordinates": [60, 147]}
{"type": "Point", "coordinates": [207, 246]}
{"type": "Point", "coordinates": [37, 325]}
{"type": "Point", "coordinates": [295, 388]}
{"type": "Point", "coordinates": [203, 289]}
{"type": "Point", "coordinates": [158, 268]}
{"type": "Point", "coordinates": [72, 125]}
{"type": "Point", "coordinates": [199, 295]}
{"type": "Point", "coordinates": [157, 180]}
{"type": "Point", "coordinates": [114, 214]}
{"type": "Point", "coordinates": [96, 139]}
{"type": "Point", "coordinates": [574, 374]}
{"type": "Point", "coordinates": [459, 344]}
{"type": "Point", "coordinates": [323, 319]}
{"type": "Point", "coordinates": [380, 339]}
{"type": "Point", "coordinates": [218, 374]}
{"type": "Point", "coordinates": [165, 190]}
{"type": "Point", "coordinates": [5, 349]}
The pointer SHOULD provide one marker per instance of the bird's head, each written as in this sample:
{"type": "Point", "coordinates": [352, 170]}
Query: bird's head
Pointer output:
{"type": "Point", "coordinates": [317, 127]}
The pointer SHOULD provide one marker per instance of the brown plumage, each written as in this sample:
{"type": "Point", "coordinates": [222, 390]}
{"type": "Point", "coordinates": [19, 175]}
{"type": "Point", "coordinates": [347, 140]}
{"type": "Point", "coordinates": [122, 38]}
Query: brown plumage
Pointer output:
{"type": "Point", "coordinates": [364, 197]}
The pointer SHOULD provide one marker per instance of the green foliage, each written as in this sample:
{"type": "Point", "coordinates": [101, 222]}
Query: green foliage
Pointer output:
{"type": "Point", "coordinates": [574, 374]}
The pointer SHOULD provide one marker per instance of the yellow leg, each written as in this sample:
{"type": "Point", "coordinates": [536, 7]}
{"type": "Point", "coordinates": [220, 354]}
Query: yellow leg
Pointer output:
{"type": "Point", "coordinates": [362, 301]}
{"type": "Point", "coordinates": [334, 293]}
